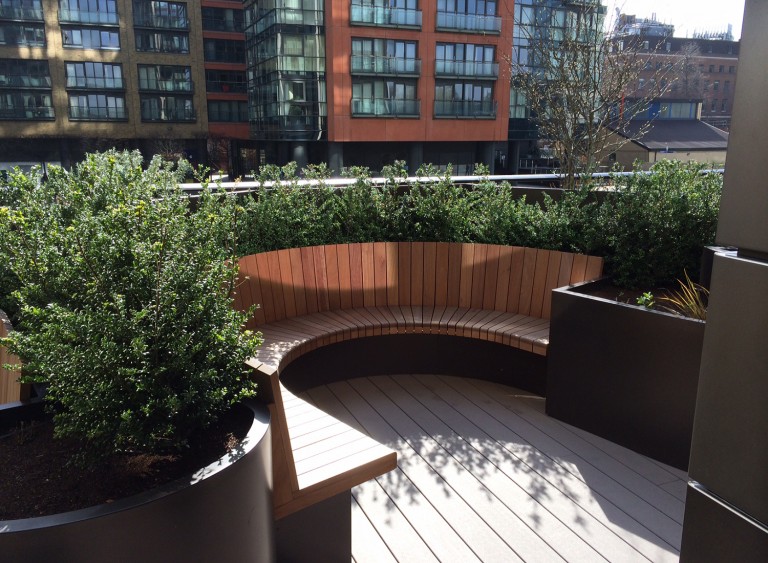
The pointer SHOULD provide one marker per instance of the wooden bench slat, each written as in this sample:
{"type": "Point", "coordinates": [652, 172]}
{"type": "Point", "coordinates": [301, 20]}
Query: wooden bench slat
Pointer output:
{"type": "Point", "coordinates": [315, 296]}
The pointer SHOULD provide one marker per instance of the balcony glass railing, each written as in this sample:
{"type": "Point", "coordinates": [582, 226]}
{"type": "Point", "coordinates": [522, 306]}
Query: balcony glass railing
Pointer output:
{"type": "Point", "coordinates": [87, 113]}
{"type": "Point", "coordinates": [384, 16]}
{"type": "Point", "coordinates": [170, 114]}
{"type": "Point", "coordinates": [289, 16]}
{"type": "Point", "coordinates": [396, 66]}
{"type": "Point", "coordinates": [21, 13]}
{"type": "Point", "coordinates": [156, 85]}
{"type": "Point", "coordinates": [87, 16]}
{"type": "Point", "coordinates": [95, 83]}
{"type": "Point", "coordinates": [468, 22]}
{"type": "Point", "coordinates": [24, 81]}
{"type": "Point", "coordinates": [25, 112]}
{"type": "Point", "coordinates": [470, 69]}
{"type": "Point", "coordinates": [461, 109]}
{"type": "Point", "coordinates": [226, 86]}
{"type": "Point", "coordinates": [385, 107]}
{"type": "Point", "coordinates": [161, 22]}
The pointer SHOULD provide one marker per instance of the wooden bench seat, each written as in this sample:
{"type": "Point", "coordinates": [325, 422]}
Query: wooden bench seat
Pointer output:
{"type": "Point", "coordinates": [309, 298]}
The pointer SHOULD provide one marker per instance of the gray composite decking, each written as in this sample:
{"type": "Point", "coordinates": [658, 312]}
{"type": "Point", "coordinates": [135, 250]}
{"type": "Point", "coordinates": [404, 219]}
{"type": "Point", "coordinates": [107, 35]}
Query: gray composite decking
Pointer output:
{"type": "Point", "coordinates": [484, 475]}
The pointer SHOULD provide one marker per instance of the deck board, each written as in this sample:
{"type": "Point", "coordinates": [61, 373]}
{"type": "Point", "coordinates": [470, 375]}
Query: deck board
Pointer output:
{"type": "Point", "coordinates": [484, 474]}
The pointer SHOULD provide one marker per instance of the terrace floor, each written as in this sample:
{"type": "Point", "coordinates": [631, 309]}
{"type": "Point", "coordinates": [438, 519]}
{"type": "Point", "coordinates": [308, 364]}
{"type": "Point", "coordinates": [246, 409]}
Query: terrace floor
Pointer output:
{"type": "Point", "coordinates": [484, 475]}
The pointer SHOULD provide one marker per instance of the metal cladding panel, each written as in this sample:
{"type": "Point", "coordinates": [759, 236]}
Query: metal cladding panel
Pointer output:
{"type": "Point", "coordinates": [729, 452]}
{"type": "Point", "coordinates": [744, 204]}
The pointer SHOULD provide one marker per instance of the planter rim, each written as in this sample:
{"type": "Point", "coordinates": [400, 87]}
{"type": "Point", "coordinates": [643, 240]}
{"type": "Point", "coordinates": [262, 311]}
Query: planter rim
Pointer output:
{"type": "Point", "coordinates": [570, 290]}
{"type": "Point", "coordinates": [256, 432]}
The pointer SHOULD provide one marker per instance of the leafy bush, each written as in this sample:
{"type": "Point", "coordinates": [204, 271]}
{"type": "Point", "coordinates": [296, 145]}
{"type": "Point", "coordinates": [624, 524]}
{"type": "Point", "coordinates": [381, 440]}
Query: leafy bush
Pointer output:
{"type": "Point", "coordinates": [125, 308]}
{"type": "Point", "coordinates": [651, 229]}
{"type": "Point", "coordinates": [657, 224]}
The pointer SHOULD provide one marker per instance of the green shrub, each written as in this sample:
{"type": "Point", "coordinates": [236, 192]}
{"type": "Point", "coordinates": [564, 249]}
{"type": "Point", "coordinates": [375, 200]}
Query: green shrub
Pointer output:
{"type": "Point", "coordinates": [657, 224]}
{"type": "Point", "coordinates": [125, 308]}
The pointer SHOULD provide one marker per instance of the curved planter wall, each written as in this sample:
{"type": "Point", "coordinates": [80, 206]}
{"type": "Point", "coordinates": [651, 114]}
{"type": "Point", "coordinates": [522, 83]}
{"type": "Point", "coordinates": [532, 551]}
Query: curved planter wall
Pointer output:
{"type": "Point", "coordinates": [624, 373]}
{"type": "Point", "coordinates": [221, 513]}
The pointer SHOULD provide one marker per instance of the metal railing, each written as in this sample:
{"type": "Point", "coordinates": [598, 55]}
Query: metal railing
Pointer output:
{"type": "Point", "coordinates": [289, 16]}
{"type": "Point", "coordinates": [376, 64]}
{"type": "Point", "coordinates": [485, 109]}
{"type": "Point", "coordinates": [468, 22]}
{"type": "Point", "coordinates": [87, 113]}
{"type": "Point", "coordinates": [385, 107]}
{"type": "Point", "coordinates": [472, 69]}
{"type": "Point", "coordinates": [95, 83]}
{"type": "Point", "coordinates": [25, 81]}
{"type": "Point", "coordinates": [385, 16]}
{"type": "Point", "coordinates": [19, 13]}
{"type": "Point", "coordinates": [67, 15]}
{"type": "Point", "coordinates": [156, 85]}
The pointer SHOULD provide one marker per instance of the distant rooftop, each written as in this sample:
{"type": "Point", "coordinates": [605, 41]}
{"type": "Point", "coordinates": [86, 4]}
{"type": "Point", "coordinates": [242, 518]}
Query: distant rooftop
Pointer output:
{"type": "Point", "coordinates": [677, 135]}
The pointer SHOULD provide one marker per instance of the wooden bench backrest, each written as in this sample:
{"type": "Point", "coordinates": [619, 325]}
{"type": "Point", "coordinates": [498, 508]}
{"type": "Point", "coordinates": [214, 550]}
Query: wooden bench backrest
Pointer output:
{"type": "Point", "coordinates": [10, 388]}
{"type": "Point", "coordinates": [298, 281]}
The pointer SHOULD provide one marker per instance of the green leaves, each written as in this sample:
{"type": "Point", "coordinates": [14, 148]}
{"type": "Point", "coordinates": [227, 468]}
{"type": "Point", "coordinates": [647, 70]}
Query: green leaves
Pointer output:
{"type": "Point", "coordinates": [124, 303]}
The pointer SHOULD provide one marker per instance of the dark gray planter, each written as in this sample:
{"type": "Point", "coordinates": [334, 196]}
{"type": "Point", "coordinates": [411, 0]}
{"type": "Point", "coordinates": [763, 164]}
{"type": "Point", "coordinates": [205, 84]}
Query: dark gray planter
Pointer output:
{"type": "Point", "coordinates": [624, 373]}
{"type": "Point", "coordinates": [221, 513]}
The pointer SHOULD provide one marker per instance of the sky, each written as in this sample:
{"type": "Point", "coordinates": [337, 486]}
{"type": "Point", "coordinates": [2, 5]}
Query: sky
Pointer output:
{"type": "Point", "coordinates": [686, 15]}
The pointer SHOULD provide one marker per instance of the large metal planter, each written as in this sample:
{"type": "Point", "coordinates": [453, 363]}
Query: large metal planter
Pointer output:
{"type": "Point", "coordinates": [624, 373]}
{"type": "Point", "coordinates": [222, 513]}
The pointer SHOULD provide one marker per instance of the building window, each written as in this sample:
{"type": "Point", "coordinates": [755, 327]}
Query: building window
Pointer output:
{"type": "Point", "coordinates": [224, 50]}
{"type": "Point", "coordinates": [518, 104]}
{"type": "Point", "coordinates": [384, 98]}
{"type": "Point", "coordinates": [464, 99]}
{"type": "Point", "coordinates": [727, 86]}
{"type": "Point", "coordinates": [22, 34]}
{"type": "Point", "coordinates": [26, 105]}
{"type": "Point", "coordinates": [222, 19]}
{"type": "Point", "coordinates": [713, 105]}
{"type": "Point", "coordinates": [477, 16]}
{"type": "Point", "coordinates": [388, 13]}
{"type": "Point", "coordinates": [466, 59]}
{"type": "Point", "coordinates": [165, 78]}
{"type": "Point", "coordinates": [162, 41]}
{"type": "Point", "coordinates": [94, 75]}
{"type": "Point", "coordinates": [716, 85]}
{"type": "Point", "coordinates": [721, 68]}
{"type": "Point", "coordinates": [228, 111]}
{"type": "Point", "coordinates": [724, 104]}
{"type": "Point", "coordinates": [96, 107]}
{"type": "Point", "coordinates": [384, 56]}
{"type": "Point", "coordinates": [731, 69]}
{"type": "Point", "coordinates": [711, 68]}
{"type": "Point", "coordinates": [21, 10]}
{"type": "Point", "coordinates": [90, 38]}
{"type": "Point", "coordinates": [228, 81]}
{"type": "Point", "coordinates": [88, 11]}
{"type": "Point", "coordinates": [164, 15]}
{"type": "Point", "coordinates": [167, 108]}
{"type": "Point", "coordinates": [18, 73]}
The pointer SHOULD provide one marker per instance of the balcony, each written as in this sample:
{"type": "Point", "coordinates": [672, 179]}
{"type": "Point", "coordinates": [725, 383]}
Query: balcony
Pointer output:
{"type": "Point", "coordinates": [27, 113]}
{"type": "Point", "coordinates": [88, 16]}
{"type": "Point", "coordinates": [160, 22]}
{"type": "Point", "coordinates": [21, 13]}
{"type": "Point", "coordinates": [468, 23]}
{"type": "Point", "coordinates": [226, 86]}
{"type": "Point", "coordinates": [385, 107]}
{"type": "Point", "coordinates": [156, 114]}
{"type": "Point", "coordinates": [385, 66]}
{"type": "Point", "coordinates": [466, 69]}
{"type": "Point", "coordinates": [155, 85]}
{"type": "Point", "coordinates": [384, 16]}
{"type": "Point", "coordinates": [24, 81]}
{"type": "Point", "coordinates": [94, 83]}
{"type": "Point", "coordinates": [86, 113]}
{"type": "Point", "coordinates": [461, 109]}
{"type": "Point", "coordinates": [289, 16]}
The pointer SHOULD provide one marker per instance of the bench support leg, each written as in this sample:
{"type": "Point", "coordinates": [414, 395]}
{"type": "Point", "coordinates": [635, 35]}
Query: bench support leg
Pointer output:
{"type": "Point", "coordinates": [321, 532]}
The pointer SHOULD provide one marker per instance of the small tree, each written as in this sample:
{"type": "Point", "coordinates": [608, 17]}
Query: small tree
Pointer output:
{"type": "Point", "coordinates": [581, 87]}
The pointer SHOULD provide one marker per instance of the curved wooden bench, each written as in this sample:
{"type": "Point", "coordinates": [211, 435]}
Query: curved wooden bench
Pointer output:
{"type": "Point", "coordinates": [314, 296]}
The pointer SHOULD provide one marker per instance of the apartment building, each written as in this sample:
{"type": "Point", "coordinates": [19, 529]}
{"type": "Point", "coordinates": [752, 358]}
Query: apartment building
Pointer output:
{"type": "Point", "coordinates": [703, 68]}
{"type": "Point", "coordinates": [160, 76]}
{"type": "Point", "coordinates": [368, 82]}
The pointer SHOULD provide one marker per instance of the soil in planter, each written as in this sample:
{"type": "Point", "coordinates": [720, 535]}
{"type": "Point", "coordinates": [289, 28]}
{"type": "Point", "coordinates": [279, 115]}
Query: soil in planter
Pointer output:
{"type": "Point", "coordinates": [38, 479]}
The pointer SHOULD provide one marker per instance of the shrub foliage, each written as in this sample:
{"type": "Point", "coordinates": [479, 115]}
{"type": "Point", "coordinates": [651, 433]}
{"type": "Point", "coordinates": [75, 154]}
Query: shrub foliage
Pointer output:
{"type": "Point", "coordinates": [124, 302]}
